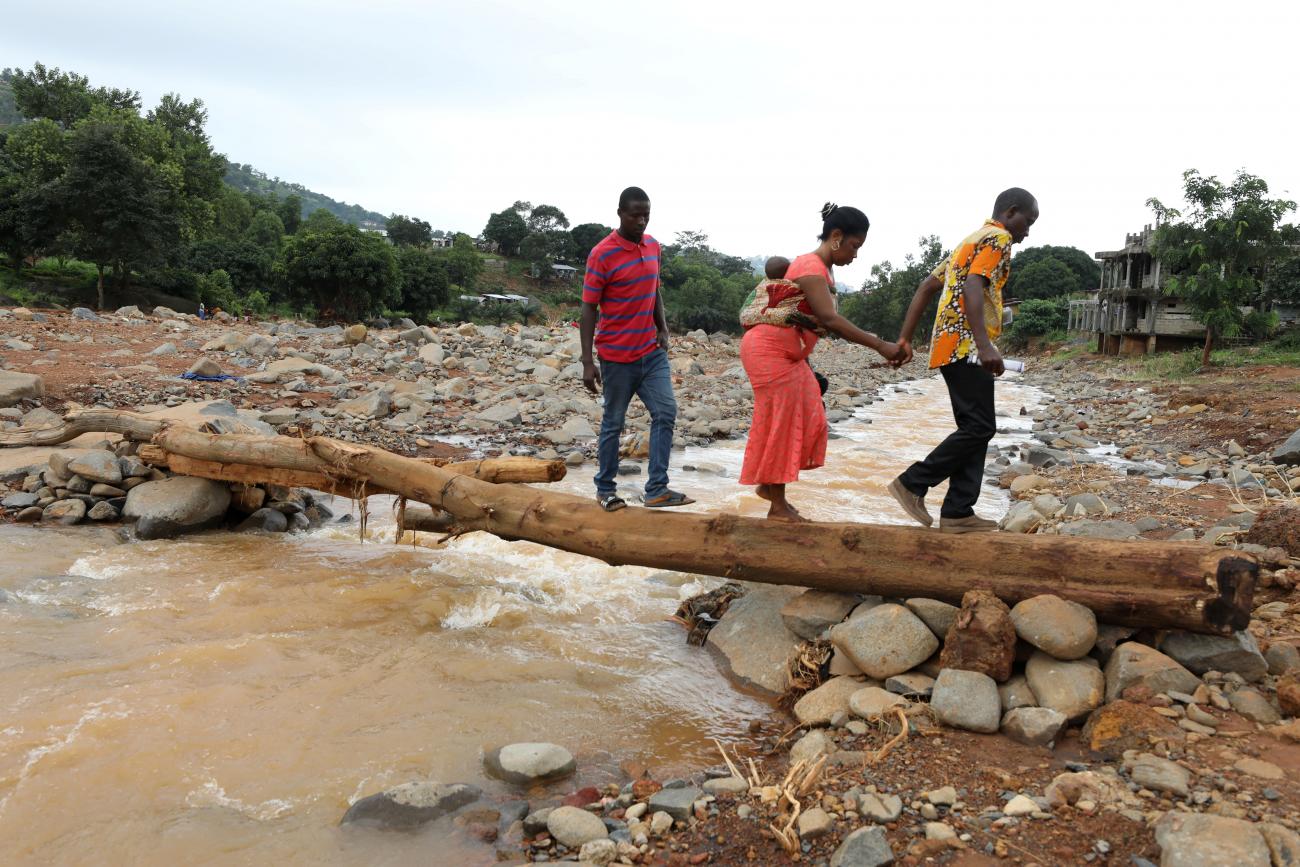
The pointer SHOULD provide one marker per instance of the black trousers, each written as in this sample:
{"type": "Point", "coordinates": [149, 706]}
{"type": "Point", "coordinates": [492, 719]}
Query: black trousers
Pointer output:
{"type": "Point", "coordinates": [960, 457]}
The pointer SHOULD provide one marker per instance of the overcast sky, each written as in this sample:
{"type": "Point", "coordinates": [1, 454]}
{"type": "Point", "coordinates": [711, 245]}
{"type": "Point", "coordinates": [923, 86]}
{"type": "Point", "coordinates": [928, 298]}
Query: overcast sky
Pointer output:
{"type": "Point", "coordinates": [738, 118]}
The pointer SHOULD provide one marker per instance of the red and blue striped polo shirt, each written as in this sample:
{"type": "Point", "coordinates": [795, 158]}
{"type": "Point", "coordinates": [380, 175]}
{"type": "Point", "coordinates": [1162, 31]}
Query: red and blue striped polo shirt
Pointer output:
{"type": "Point", "coordinates": [623, 281]}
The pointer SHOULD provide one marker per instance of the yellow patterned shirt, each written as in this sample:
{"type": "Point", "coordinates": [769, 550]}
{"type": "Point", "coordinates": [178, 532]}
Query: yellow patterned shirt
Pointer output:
{"type": "Point", "coordinates": [987, 253]}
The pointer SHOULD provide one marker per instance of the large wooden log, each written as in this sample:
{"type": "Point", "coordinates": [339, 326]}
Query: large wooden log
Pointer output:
{"type": "Point", "coordinates": [1183, 585]}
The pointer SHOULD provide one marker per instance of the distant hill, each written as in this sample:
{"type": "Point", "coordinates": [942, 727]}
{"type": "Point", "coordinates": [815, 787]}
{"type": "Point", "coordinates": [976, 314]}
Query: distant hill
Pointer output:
{"type": "Point", "coordinates": [245, 178]}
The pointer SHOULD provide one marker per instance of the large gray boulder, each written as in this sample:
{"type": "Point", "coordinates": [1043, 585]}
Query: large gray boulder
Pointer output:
{"type": "Point", "coordinates": [1201, 653]}
{"type": "Point", "coordinates": [820, 705]}
{"type": "Point", "coordinates": [865, 847]}
{"type": "Point", "coordinates": [526, 764]}
{"type": "Point", "coordinates": [1056, 626]}
{"type": "Point", "coordinates": [1204, 840]}
{"type": "Point", "coordinates": [1075, 688]}
{"type": "Point", "coordinates": [409, 805]}
{"type": "Point", "coordinates": [939, 616]}
{"type": "Point", "coordinates": [573, 827]}
{"type": "Point", "coordinates": [1134, 664]}
{"type": "Point", "coordinates": [98, 466]}
{"type": "Point", "coordinates": [16, 387]}
{"type": "Point", "coordinates": [1287, 453]}
{"type": "Point", "coordinates": [812, 612]}
{"type": "Point", "coordinates": [1035, 726]}
{"type": "Point", "coordinates": [753, 643]}
{"type": "Point", "coordinates": [966, 700]}
{"type": "Point", "coordinates": [887, 640]}
{"type": "Point", "coordinates": [171, 507]}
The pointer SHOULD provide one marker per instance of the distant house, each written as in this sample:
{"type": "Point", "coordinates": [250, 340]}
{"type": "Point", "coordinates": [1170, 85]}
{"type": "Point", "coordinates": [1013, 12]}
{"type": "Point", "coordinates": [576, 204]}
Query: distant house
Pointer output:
{"type": "Point", "coordinates": [1129, 314]}
{"type": "Point", "coordinates": [564, 272]}
{"type": "Point", "coordinates": [445, 241]}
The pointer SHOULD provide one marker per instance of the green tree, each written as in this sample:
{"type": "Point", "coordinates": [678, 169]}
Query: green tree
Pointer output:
{"type": "Point", "coordinates": [232, 214]}
{"type": "Point", "coordinates": [507, 230]}
{"type": "Point", "coordinates": [546, 218]}
{"type": "Point", "coordinates": [426, 282]}
{"type": "Point", "coordinates": [33, 157]}
{"type": "Point", "coordinates": [1085, 269]}
{"type": "Point", "coordinates": [1222, 249]}
{"type": "Point", "coordinates": [119, 207]}
{"type": "Point", "coordinates": [247, 264]}
{"type": "Point", "coordinates": [266, 231]}
{"type": "Point", "coordinates": [194, 169]}
{"type": "Point", "coordinates": [1046, 278]}
{"type": "Point", "coordinates": [344, 272]}
{"type": "Point", "coordinates": [463, 262]}
{"type": "Point", "coordinates": [586, 236]}
{"type": "Point", "coordinates": [290, 212]}
{"type": "Point", "coordinates": [65, 97]}
{"type": "Point", "coordinates": [882, 303]}
{"type": "Point", "coordinates": [543, 249]}
{"type": "Point", "coordinates": [1039, 317]}
{"type": "Point", "coordinates": [408, 231]}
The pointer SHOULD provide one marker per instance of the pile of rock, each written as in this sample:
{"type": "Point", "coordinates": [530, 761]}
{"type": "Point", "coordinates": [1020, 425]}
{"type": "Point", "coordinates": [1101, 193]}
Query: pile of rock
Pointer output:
{"type": "Point", "coordinates": [111, 484]}
{"type": "Point", "coordinates": [1028, 671]}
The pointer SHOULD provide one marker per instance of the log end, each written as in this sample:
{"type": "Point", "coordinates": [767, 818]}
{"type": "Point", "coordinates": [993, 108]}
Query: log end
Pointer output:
{"type": "Point", "coordinates": [1234, 580]}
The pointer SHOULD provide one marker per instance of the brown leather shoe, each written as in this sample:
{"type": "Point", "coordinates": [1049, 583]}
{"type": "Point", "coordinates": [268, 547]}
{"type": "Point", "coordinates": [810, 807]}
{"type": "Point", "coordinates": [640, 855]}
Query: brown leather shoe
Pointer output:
{"type": "Point", "coordinates": [911, 503]}
{"type": "Point", "coordinates": [969, 524]}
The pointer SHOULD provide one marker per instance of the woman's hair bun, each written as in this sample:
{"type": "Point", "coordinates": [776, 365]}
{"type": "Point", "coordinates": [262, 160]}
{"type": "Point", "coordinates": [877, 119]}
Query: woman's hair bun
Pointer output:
{"type": "Point", "coordinates": [828, 209]}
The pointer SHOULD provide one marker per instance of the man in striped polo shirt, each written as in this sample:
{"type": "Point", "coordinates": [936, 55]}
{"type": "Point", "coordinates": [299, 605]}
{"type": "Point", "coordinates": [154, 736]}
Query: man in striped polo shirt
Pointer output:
{"type": "Point", "coordinates": [622, 288]}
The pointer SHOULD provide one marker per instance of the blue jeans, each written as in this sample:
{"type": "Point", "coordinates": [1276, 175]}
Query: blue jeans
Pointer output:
{"type": "Point", "coordinates": [650, 379]}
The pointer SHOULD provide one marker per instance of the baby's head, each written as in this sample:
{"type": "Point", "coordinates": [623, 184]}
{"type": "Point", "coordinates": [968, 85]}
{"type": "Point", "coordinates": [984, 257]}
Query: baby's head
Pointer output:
{"type": "Point", "coordinates": [776, 267]}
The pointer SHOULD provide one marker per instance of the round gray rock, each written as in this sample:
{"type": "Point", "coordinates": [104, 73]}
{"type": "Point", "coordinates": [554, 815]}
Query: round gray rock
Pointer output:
{"type": "Point", "coordinates": [872, 701]}
{"type": "Point", "coordinates": [865, 847]}
{"type": "Point", "coordinates": [887, 640]}
{"type": "Point", "coordinates": [1075, 688]}
{"type": "Point", "coordinates": [573, 827]}
{"type": "Point", "coordinates": [1036, 726]}
{"type": "Point", "coordinates": [525, 764]}
{"type": "Point", "coordinates": [181, 504]}
{"type": "Point", "coordinates": [98, 466]}
{"type": "Point", "coordinates": [65, 512]}
{"type": "Point", "coordinates": [1056, 626]}
{"type": "Point", "coordinates": [832, 697]}
{"type": "Point", "coordinates": [966, 700]}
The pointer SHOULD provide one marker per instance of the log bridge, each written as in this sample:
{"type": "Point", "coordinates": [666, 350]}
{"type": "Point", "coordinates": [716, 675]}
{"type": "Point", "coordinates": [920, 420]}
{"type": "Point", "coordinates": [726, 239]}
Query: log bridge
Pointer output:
{"type": "Point", "coordinates": [1163, 585]}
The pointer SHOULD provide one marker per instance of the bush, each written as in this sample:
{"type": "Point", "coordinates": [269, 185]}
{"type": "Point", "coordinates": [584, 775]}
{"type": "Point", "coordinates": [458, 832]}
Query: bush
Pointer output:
{"type": "Point", "coordinates": [1037, 318]}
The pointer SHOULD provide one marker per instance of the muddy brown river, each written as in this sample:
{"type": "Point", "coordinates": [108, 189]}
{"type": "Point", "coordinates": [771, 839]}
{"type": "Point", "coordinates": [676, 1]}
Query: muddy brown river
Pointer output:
{"type": "Point", "coordinates": [221, 699]}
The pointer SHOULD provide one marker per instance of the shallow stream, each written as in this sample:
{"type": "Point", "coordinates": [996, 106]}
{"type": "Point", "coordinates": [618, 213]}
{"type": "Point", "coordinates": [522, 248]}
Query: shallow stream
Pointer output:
{"type": "Point", "coordinates": [221, 699]}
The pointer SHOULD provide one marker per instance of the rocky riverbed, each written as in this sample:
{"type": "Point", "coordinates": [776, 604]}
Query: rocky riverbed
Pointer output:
{"type": "Point", "coordinates": [919, 730]}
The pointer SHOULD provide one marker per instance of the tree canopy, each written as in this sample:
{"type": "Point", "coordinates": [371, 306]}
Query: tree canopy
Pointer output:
{"type": "Point", "coordinates": [408, 231]}
{"type": "Point", "coordinates": [1046, 271]}
{"type": "Point", "coordinates": [1223, 248]}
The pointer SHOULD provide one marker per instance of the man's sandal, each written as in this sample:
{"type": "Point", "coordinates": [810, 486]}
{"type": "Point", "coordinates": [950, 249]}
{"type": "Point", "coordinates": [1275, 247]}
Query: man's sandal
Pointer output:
{"type": "Point", "coordinates": [667, 500]}
{"type": "Point", "coordinates": [611, 502]}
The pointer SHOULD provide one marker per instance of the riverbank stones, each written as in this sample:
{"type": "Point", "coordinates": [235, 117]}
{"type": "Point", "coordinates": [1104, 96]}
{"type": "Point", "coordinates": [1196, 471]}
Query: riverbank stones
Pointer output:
{"type": "Point", "coordinates": [1056, 626]}
{"type": "Point", "coordinates": [1201, 653]}
{"type": "Point", "coordinates": [675, 802]}
{"type": "Point", "coordinates": [573, 826]}
{"type": "Point", "coordinates": [528, 763]}
{"type": "Point", "coordinates": [410, 805]}
{"type": "Point", "coordinates": [171, 507]}
{"type": "Point", "coordinates": [887, 640]}
{"type": "Point", "coordinates": [1134, 664]}
{"type": "Point", "coordinates": [865, 847]}
{"type": "Point", "coordinates": [1035, 726]}
{"type": "Point", "coordinates": [821, 704]}
{"type": "Point", "coordinates": [97, 466]}
{"type": "Point", "coordinates": [966, 700]}
{"type": "Point", "coordinates": [1075, 687]}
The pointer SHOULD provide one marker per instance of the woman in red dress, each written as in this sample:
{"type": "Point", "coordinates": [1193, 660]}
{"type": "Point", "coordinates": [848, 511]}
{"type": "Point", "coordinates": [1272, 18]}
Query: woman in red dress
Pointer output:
{"type": "Point", "coordinates": [789, 430]}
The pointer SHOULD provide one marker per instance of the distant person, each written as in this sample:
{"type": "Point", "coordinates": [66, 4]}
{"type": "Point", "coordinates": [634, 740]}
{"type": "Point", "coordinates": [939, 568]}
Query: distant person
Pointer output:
{"type": "Point", "coordinates": [203, 314]}
{"type": "Point", "coordinates": [789, 430]}
{"type": "Point", "coordinates": [969, 319]}
{"type": "Point", "coordinates": [622, 288]}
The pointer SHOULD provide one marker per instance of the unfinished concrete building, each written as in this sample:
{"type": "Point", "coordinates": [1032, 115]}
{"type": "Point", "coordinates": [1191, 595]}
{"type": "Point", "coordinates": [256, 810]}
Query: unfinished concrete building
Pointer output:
{"type": "Point", "coordinates": [1129, 313]}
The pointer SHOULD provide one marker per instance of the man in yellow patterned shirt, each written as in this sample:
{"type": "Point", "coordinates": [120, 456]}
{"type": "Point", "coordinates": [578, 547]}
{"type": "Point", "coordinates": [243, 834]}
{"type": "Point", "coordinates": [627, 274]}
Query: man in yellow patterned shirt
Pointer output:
{"type": "Point", "coordinates": [969, 319]}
